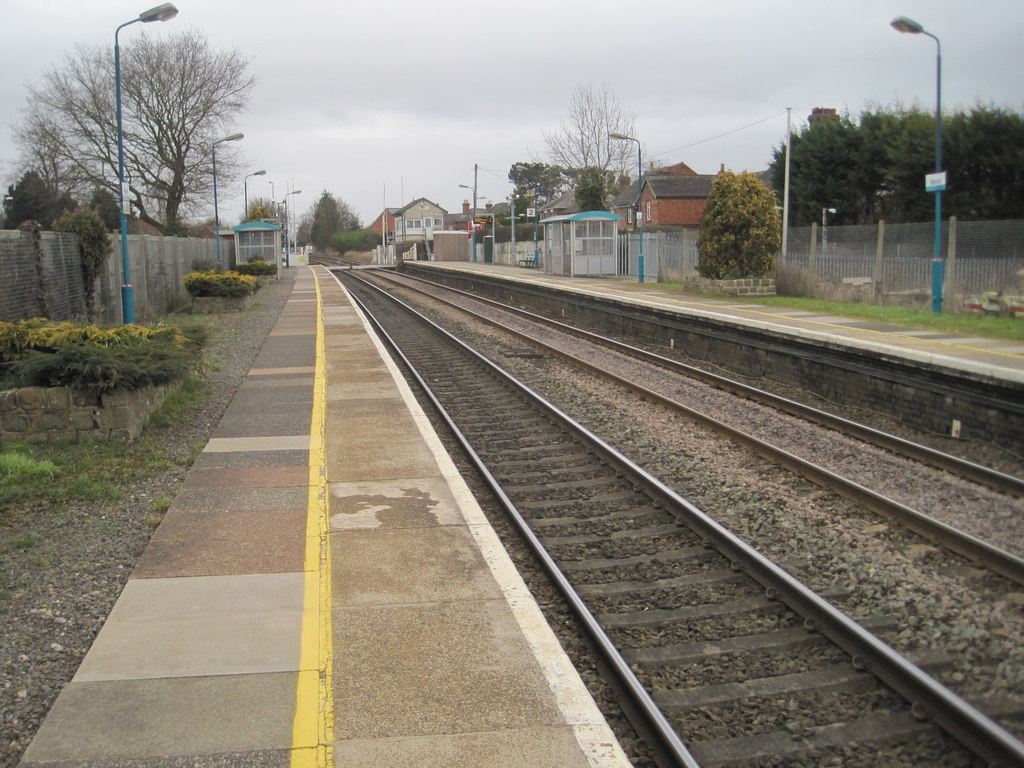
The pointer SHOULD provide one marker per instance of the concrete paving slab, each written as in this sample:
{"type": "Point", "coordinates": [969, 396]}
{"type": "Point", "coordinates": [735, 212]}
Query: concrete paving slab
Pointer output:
{"type": "Point", "coordinates": [409, 565]}
{"type": "Point", "coordinates": [222, 543]}
{"type": "Point", "coordinates": [257, 759]}
{"type": "Point", "coordinates": [523, 748]}
{"type": "Point", "coordinates": [169, 717]}
{"type": "Point", "coordinates": [416, 670]}
{"type": "Point", "coordinates": [266, 412]}
{"type": "Point", "coordinates": [404, 503]}
{"type": "Point", "coordinates": [247, 477]}
{"type": "Point", "coordinates": [231, 498]}
{"type": "Point", "coordinates": [259, 458]}
{"type": "Point", "coordinates": [185, 627]}
{"type": "Point", "coordinates": [295, 370]}
{"type": "Point", "coordinates": [376, 446]}
{"type": "Point", "coordinates": [270, 443]}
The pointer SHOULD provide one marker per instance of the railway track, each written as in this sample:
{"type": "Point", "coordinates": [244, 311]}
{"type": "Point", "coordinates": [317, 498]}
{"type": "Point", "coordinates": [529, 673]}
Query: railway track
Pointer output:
{"type": "Point", "coordinates": [841, 477]}
{"type": "Point", "coordinates": [728, 657]}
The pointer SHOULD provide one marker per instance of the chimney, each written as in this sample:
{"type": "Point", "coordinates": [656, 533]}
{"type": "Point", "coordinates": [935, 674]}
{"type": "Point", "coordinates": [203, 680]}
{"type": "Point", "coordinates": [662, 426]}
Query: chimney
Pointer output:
{"type": "Point", "coordinates": [465, 207]}
{"type": "Point", "coordinates": [489, 206]}
{"type": "Point", "coordinates": [721, 168]}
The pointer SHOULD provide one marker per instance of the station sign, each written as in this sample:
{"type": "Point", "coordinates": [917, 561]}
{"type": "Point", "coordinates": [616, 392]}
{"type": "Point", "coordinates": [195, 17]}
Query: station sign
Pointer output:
{"type": "Point", "coordinates": [935, 182]}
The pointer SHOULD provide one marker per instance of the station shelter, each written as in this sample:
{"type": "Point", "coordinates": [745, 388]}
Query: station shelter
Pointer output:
{"type": "Point", "coordinates": [581, 244]}
{"type": "Point", "coordinates": [258, 240]}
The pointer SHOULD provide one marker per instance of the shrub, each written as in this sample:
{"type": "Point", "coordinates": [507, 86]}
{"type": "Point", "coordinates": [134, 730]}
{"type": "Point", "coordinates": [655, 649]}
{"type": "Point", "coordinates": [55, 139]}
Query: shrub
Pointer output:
{"type": "Point", "coordinates": [257, 268]}
{"type": "Point", "coordinates": [82, 366]}
{"type": "Point", "coordinates": [204, 264]}
{"type": "Point", "coordinates": [740, 231]}
{"type": "Point", "coordinates": [222, 284]}
{"type": "Point", "coordinates": [46, 336]}
{"type": "Point", "coordinates": [41, 353]}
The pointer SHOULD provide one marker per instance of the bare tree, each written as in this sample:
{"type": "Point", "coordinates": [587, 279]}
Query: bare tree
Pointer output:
{"type": "Point", "coordinates": [178, 97]}
{"type": "Point", "coordinates": [582, 138]}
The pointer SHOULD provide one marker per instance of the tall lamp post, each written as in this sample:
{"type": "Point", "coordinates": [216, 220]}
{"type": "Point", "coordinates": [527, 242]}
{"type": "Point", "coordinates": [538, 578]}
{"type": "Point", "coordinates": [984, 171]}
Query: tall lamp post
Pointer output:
{"type": "Point", "coordinates": [216, 212]}
{"type": "Point", "coordinates": [287, 228]}
{"type": "Point", "coordinates": [937, 182]}
{"type": "Point", "coordinates": [472, 225]}
{"type": "Point", "coordinates": [245, 187]}
{"type": "Point", "coordinates": [639, 195]}
{"type": "Point", "coordinates": [164, 12]}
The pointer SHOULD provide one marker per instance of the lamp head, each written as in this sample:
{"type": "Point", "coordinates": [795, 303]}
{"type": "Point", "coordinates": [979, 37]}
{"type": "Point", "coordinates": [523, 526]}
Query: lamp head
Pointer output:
{"type": "Point", "coordinates": [164, 12]}
{"type": "Point", "coordinates": [905, 25]}
{"type": "Point", "coordinates": [259, 173]}
{"type": "Point", "coordinates": [232, 137]}
{"type": "Point", "coordinates": [620, 136]}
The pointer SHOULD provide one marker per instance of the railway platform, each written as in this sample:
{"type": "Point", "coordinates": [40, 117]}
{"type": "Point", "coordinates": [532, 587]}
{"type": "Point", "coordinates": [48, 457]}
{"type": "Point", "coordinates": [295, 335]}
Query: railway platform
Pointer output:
{"type": "Point", "coordinates": [998, 359]}
{"type": "Point", "coordinates": [323, 591]}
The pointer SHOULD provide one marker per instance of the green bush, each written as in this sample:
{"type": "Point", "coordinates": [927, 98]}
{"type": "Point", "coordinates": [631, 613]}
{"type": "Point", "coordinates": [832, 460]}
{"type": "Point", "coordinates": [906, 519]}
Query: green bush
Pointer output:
{"type": "Point", "coordinates": [223, 284]}
{"type": "Point", "coordinates": [740, 230]}
{"type": "Point", "coordinates": [102, 368]}
{"type": "Point", "coordinates": [256, 268]}
{"type": "Point", "coordinates": [204, 264]}
{"type": "Point", "coordinates": [46, 354]}
{"type": "Point", "coordinates": [44, 335]}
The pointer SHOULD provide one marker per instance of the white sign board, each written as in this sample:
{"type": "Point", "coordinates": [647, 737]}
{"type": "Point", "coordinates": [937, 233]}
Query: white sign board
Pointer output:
{"type": "Point", "coordinates": [935, 182]}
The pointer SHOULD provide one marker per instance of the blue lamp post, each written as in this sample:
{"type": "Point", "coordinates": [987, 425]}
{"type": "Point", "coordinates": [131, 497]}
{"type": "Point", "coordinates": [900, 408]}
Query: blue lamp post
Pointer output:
{"type": "Point", "coordinates": [639, 196]}
{"type": "Point", "coordinates": [938, 182]}
{"type": "Point", "coordinates": [216, 213]}
{"type": "Point", "coordinates": [163, 12]}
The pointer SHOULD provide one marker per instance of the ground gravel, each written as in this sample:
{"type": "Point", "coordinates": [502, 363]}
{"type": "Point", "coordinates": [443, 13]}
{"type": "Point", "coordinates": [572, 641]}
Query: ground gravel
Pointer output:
{"type": "Point", "coordinates": [57, 594]}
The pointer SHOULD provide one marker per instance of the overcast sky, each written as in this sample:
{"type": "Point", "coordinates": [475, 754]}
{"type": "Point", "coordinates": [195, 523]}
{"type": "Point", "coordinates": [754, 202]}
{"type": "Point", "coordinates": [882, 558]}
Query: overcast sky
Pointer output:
{"type": "Point", "coordinates": [384, 102]}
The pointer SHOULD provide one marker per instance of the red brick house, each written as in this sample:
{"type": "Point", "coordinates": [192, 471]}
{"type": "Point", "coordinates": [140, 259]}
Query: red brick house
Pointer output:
{"type": "Point", "coordinates": [674, 196]}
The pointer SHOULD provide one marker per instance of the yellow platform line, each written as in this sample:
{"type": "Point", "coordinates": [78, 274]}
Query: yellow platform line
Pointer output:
{"type": "Point", "coordinates": [313, 726]}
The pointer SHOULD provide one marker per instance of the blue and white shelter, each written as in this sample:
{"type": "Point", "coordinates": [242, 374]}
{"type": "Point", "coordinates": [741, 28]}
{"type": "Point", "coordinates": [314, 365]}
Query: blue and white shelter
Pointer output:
{"type": "Point", "coordinates": [581, 244]}
{"type": "Point", "coordinates": [257, 240]}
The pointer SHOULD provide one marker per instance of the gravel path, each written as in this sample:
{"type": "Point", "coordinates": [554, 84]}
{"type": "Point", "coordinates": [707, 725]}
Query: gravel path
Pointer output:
{"type": "Point", "coordinates": [57, 594]}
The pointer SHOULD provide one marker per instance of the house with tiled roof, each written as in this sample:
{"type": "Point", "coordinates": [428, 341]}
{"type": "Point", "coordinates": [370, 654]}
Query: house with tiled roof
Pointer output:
{"type": "Point", "coordinates": [673, 196]}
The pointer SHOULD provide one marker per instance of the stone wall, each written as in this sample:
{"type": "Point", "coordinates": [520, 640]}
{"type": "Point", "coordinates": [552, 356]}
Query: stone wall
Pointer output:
{"type": "Point", "coordinates": [39, 414]}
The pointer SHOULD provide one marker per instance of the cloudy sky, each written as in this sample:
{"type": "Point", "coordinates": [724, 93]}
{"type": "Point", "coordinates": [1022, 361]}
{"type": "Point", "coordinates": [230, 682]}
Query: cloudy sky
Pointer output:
{"type": "Point", "coordinates": [384, 102]}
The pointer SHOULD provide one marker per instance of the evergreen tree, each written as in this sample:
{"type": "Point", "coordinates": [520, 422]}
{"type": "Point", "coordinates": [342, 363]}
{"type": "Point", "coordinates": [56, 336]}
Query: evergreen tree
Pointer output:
{"type": "Point", "coordinates": [592, 189]}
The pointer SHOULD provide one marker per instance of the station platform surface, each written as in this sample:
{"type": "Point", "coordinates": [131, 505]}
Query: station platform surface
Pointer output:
{"type": "Point", "coordinates": [995, 358]}
{"type": "Point", "coordinates": [323, 591]}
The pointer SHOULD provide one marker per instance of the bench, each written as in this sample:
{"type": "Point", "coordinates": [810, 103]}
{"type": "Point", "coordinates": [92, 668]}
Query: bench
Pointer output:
{"type": "Point", "coordinates": [526, 262]}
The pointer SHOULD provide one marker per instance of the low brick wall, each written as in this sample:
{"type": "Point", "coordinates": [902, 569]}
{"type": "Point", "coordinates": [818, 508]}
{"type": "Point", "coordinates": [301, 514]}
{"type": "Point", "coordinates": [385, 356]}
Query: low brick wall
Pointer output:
{"type": "Point", "coordinates": [202, 305]}
{"type": "Point", "coordinates": [759, 287]}
{"type": "Point", "coordinates": [39, 414]}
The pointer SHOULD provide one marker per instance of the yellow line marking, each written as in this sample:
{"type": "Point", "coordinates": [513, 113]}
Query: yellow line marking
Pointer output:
{"type": "Point", "coordinates": [313, 726]}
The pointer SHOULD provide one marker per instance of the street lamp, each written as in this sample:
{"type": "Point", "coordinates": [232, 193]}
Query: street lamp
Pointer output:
{"type": "Point", "coordinates": [639, 195]}
{"type": "Point", "coordinates": [287, 227]}
{"type": "Point", "coordinates": [472, 226]}
{"type": "Point", "coordinates": [216, 213]}
{"type": "Point", "coordinates": [937, 182]}
{"type": "Point", "coordinates": [245, 187]}
{"type": "Point", "coordinates": [824, 227]}
{"type": "Point", "coordinates": [164, 12]}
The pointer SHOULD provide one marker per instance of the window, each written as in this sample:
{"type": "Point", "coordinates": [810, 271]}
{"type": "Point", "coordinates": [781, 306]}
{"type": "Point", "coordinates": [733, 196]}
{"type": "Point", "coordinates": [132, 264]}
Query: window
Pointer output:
{"type": "Point", "coordinates": [438, 222]}
{"type": "Point", "coordinates": [648, 216]}
{"type": "Point", "coordinates": [414, 223]}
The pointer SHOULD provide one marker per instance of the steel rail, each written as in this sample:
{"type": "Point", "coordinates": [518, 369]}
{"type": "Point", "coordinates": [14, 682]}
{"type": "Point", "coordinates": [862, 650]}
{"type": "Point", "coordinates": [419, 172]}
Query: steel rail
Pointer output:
{"type": "Point", "coordinates": [973, 548]}
{"type": "Point", "coordinates": [968, 470]}
{"type": "Point", "coordinates": [668, 740]}
{"type": "Point", "coordinates": [929, 698]}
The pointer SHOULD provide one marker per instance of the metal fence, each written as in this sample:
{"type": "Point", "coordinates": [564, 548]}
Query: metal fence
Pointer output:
{"type": "Point", "coordinates": [46, 281]}
{"type": "Point", "coordinates": [980, 256]}
{"type": "Point", "coordinates": [881, 262]}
